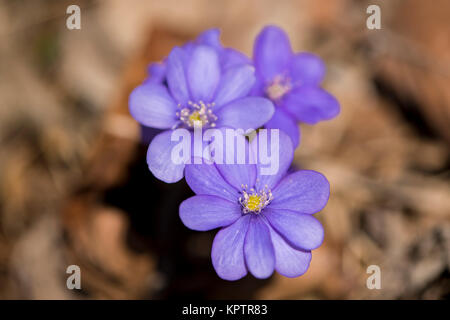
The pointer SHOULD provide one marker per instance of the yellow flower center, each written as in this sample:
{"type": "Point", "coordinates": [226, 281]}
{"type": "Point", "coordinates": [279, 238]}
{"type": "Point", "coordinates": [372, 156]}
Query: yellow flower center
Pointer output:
{"type": "Point", "coordinates": [253, 202]}
{"type": "Point", "coordinates": [195, 116]}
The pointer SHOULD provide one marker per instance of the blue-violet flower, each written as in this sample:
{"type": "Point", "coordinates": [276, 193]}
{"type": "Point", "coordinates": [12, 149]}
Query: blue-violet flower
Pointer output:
{"type": "Point", "coordinates": [266, 220]}
{"type": "Point", "coordinates": [292, 81]}
{"type": "Point", "coordinates": [202, 87]}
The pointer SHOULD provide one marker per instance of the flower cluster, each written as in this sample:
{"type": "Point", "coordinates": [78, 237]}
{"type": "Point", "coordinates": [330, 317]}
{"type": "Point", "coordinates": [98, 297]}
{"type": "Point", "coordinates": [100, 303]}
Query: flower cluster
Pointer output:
{"type": "Point", "coordinates": [265, 219]}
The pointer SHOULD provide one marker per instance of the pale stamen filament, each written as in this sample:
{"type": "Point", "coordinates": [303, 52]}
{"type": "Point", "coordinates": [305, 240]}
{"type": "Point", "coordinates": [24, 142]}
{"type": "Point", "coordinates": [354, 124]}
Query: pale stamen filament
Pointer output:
{"type": "Point", "coordinates": [197, 113]}
{"type": "Point", "coordinates": [278, 88]}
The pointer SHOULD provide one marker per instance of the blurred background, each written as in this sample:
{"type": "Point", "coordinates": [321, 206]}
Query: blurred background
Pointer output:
{"type": "Point", "coordinates": [75, 189]}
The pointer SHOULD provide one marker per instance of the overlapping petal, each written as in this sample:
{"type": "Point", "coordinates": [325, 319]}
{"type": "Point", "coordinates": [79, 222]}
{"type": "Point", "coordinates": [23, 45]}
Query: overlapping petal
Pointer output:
{"type": "Point", "coordinates": [236, 83]}
{"type": "Point", "coordinates": [246, 113]}
{"type": "Point", "coordinates": [159, 158]}
{"type": "Point", "coordinates": [227, 252]}
{"type": "Point", "coordinates": [302, 231]}
{"type": "Point", "coordinates": [230, 58]}
{"type": "Point", "coordinates": [283, 121]}
{"type": "Point", "coordinates": [206, 179]}
{"type": "Point", "coordinates": [289, 262]}
{"type": "Point", "coordinates": [258, 249]}
{"type": "Point", "coordinates": [203, 73]}
{"type": "Point", "coordinates": [176, 76]}
{"type": "Point", "coordinates": [273, 153]}
{"type": "Point", "coordinates": [151, 105]}
{"type": "Point", "coordinates": [238, 175]}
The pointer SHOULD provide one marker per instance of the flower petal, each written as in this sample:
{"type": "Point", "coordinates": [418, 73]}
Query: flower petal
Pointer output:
{"type": "Point", "coordinates": [227, 252]}
{"type": "Point", "coordinates": [238, 174]}
{"type": "Point", "coordinates": [283, 121]}
{"type": "Point", "coordinates": [258, 88]}
{"type": "Point", "coordinates": [302, 231]}
{"type": "Point", "coordinates": [307, 68]}
{"type": "Point", "coordinates": [231, 58]}
{"type": "Point", "coordinates": [159, 158]}
{"type": "Point", "coordinates": [211, 38]}
{"type": "Point", "coordinates": [207, 212]}
{"type": "Point", "coordinates": [235, 83]}
{"type": "Point", "coordinates": [258, 249]}
{"type": "Point", "coordinates": [152, 106]}
{"type": "Point", "coordinates": [176, 76]}
{"type": "Point", "coordinates": [203, 73]}
{"type": "Point", "coordinates": [289, 262]}
{"type": "Point", "coordinates": [311, 104]}
{"type": "Point", "coordinates": [274, 154]}
{"type": "Point", "coordinates": [234, 163]}
{"type": "Point", "coordinates": [272, 52]}
{"type": "Point", "coordinates": [304, 191]}
{"type": "Point", "coordinates": [188, 48]}
{"type": "Point", "coordinates": [246, 113]}
{"type": "Point", "coordinates": [206, 179]}
{"type": "Point", "coordinates": [157, 72]}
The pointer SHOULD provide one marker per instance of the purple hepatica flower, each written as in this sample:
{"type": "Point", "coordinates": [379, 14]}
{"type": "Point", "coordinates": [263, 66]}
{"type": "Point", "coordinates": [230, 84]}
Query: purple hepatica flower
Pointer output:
{"type": "Point", "coordinates": [158, 70]}
{"type": "Point", "coordinates": [266, 220]}
{"type": "Point", "coordinates": [199, 90]}
{"type": "Point", "coordinates": [292, 82]}
{"type": "Point", "coordinates": [228, 57]}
